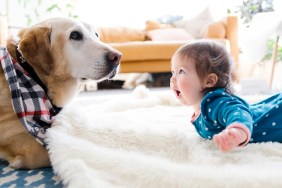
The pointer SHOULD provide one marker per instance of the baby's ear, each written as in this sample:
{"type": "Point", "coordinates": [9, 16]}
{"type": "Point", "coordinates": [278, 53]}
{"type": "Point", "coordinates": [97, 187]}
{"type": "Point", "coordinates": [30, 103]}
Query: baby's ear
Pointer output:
{"type": "Point", "coordinates": [211, 80]}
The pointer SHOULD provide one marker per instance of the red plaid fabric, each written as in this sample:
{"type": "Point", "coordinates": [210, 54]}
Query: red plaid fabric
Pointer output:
{"type": "Point", "coordinates": [30, 102]}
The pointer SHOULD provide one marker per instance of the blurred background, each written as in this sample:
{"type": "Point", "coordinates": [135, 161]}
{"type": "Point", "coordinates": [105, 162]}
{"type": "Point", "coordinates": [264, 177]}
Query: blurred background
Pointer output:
{"type": "Point", "coordinates": [259, 28]}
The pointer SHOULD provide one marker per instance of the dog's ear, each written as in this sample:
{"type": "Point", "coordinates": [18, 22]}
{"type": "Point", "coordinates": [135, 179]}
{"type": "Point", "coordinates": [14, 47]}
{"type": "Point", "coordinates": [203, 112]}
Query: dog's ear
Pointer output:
{"type": "Point", "coordinates": [11, 47]}
{"type": "Point", "coordinates": [34, 45]}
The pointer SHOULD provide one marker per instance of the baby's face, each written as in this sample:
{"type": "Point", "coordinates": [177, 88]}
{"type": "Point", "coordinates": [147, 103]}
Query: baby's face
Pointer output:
{"type": "Point", "coordinates": [185, 82]}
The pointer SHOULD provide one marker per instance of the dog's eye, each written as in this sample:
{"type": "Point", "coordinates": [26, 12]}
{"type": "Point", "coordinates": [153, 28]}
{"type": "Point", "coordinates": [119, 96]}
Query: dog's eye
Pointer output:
{"type": "Point", "coordinates": [96, 34]}
{"type": "Point", "coordinates": [76, 35]}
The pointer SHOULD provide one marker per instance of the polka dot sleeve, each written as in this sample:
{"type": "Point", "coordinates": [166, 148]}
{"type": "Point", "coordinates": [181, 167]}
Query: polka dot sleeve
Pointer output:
{"type": "Point", "coordinates": [221, 109]}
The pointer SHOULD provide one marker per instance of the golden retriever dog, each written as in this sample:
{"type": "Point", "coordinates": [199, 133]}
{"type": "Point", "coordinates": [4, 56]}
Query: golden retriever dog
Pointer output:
{"type": "Point", "coordinates": [50, 61]}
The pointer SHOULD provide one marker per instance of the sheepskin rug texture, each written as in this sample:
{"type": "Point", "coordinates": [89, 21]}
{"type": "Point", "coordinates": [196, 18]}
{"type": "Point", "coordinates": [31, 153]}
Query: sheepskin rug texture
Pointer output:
{"type": "Point", "coordinates": [145, 140]}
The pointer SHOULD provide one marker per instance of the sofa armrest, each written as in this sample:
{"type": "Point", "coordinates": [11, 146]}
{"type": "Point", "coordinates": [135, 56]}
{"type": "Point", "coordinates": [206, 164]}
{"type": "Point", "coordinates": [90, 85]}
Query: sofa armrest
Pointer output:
{"type": "Point", "coordinates": [228, 29]}
{"type": "Point", "coordinates": [232, 36]}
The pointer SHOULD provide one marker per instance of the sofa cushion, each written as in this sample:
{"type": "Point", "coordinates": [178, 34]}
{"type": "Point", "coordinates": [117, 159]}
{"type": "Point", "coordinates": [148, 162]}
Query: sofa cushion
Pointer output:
{"type": "Point", "coordinates": [197, 25]}
{"type": "Point", "coordinates": [120, 34]}
{"type": "Point", "coordinates": [151, 50]}
{"type": "Point", "coordinates": [147, 50]}
{"type": "Point", "coordinates": [168, 34]}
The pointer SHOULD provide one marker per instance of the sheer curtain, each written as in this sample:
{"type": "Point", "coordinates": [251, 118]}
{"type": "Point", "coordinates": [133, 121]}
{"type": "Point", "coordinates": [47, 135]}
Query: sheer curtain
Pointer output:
{"type": "Point", "coordinates": [262, 28]}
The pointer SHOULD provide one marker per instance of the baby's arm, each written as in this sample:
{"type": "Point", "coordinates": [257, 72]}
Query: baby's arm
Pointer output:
{"type": "Point", "coordinates": [236, 134]}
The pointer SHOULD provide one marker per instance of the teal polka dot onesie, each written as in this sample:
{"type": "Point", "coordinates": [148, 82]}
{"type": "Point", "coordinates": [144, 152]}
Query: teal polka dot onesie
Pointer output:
{"type": "Point", "coordinates": [219, 109]}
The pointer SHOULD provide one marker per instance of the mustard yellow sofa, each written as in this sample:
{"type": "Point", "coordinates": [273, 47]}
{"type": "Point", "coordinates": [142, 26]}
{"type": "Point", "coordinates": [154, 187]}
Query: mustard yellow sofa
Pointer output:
{"type": "Point", "coordinates": [141, 54]}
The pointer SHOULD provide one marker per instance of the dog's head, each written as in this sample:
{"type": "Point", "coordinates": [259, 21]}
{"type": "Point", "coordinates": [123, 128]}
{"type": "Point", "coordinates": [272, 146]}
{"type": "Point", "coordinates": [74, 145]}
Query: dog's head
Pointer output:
{"type": "Point", "coordinates": [67, 48]}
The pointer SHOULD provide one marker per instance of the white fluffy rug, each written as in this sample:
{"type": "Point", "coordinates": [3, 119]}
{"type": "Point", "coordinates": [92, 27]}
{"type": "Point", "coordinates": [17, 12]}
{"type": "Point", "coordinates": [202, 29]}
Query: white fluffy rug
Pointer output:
{"type": "Point", "coordinates": [145, 140]}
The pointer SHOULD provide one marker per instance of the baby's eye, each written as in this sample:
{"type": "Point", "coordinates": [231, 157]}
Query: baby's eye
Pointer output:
{"type": "Point", "coordinates": [181, 71]}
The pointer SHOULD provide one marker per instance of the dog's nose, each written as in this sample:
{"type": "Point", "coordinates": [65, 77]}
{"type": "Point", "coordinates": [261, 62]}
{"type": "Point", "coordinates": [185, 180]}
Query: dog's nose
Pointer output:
{"type": "Point", "coordinates": [114, 57]}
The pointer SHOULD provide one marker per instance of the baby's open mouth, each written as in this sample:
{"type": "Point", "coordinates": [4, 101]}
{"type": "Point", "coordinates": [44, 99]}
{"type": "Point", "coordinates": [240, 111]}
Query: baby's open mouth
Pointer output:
{"type": "Point", "coordinates": [177, 92]}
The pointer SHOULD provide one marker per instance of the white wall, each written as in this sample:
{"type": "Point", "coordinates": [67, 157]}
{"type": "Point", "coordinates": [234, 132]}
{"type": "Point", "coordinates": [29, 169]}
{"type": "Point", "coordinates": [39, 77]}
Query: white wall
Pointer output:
{"type": "Point", "coordinates": [135, 13]}
{"type": "Point", "coordinates": [132, 13]}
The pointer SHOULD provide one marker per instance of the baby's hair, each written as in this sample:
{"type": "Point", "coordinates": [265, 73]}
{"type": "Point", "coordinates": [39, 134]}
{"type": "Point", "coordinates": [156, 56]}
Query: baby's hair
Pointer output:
{"type": "Point", "coordinates": [209, 57]}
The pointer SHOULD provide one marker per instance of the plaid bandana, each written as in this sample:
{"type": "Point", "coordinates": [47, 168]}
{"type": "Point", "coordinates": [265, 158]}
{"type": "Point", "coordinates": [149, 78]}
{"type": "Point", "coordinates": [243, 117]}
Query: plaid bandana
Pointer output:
{"type": "Point", "coordinates": [30, 101]}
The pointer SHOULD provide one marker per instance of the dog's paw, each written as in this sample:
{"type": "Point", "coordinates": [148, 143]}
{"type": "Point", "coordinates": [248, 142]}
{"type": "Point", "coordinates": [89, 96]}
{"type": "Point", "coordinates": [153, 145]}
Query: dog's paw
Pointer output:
{"type": "Point", "coordinates": [16, 162]}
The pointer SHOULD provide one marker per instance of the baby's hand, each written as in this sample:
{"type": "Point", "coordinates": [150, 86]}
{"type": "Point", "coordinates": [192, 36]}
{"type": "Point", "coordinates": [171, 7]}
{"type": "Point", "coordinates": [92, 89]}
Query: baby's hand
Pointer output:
{"type": "Point", "coordinates": [231, 137]}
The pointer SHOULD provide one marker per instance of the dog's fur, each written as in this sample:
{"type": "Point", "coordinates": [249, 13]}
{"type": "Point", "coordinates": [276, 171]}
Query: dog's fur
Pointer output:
{"type": "Point", "coordinates": [63, 52]}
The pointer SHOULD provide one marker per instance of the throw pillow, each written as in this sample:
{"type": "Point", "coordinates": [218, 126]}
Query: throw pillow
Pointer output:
{"type": "Point", "coordinates": [197, 25]}
{"type": "Point", "coordinates": [151, 25]}
{"type": "Point", "coordinates": [169, 34]}
{"type": "Point", "coordinates": [216, 30]}
{"type": "Point", "coordinates": [169, 19]}
{"type": "Point", "coordinates": [120, 34]}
